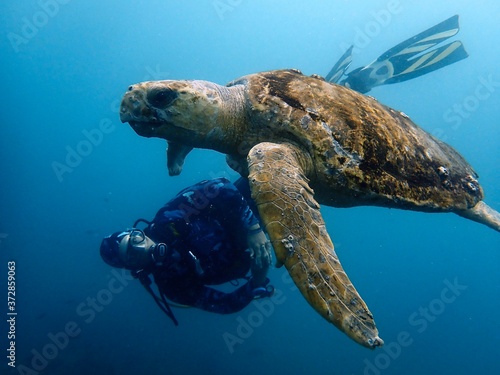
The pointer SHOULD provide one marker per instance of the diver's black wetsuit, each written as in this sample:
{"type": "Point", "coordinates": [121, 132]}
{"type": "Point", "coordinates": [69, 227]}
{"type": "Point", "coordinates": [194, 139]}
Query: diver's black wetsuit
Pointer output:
{"type": "Point", "coordinates": [206, 226]}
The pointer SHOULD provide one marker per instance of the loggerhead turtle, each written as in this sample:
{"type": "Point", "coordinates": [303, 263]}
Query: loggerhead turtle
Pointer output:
{"type": "Point", "coordinates": [303, 141]}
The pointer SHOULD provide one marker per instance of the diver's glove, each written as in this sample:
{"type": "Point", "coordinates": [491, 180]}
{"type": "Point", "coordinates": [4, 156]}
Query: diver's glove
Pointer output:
{"type": "Point", "coordinates": [263, 290]}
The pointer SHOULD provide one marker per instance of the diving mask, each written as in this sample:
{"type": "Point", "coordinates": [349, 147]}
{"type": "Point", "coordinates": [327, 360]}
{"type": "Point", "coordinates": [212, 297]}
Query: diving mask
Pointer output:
{"type": "Point", "coordinates": [136, 250]}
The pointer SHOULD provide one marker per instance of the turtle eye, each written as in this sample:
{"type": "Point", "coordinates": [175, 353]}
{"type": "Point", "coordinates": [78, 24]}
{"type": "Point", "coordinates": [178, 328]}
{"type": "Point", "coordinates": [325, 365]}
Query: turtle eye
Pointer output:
{"type": "Point", "coordinates": [161, 98]}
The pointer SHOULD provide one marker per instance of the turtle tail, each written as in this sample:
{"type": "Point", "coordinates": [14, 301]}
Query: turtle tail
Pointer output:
{"type": "Point", "coordinates": [484, 214]}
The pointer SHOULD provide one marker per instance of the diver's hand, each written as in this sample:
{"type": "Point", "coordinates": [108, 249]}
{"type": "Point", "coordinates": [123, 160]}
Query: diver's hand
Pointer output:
{"type": "Point", "coordinates": [263, 290]}
{"type": "Point", "coordinates": [260, 252]}
{"type": "Point", "coordinates": [259, 248]}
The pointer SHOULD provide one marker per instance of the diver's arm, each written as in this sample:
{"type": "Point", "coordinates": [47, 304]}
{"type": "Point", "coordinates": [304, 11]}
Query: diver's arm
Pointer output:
{"type": "Point", "coordinates": [238, 217]}
{"type": "Point", "coordinates": [232, 206]}
{"type": "Point", "coordinates": [213, 300]}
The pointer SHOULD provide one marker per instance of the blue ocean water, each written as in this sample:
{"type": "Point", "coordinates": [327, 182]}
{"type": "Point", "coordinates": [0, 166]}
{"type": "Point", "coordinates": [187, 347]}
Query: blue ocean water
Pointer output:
{"type": "Point", "coordinates": [72, 173]}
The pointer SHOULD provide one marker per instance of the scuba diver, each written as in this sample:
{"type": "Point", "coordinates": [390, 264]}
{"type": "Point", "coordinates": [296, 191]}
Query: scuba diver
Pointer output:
{"type": "Point", "coordinates": [409, 59]}
{"type": "Point", "coordinates": [206, 235]}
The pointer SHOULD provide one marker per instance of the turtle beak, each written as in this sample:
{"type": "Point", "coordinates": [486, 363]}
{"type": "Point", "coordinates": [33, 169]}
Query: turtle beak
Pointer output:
{"type": "Point", "coordinates": [125, 116]}
{"type": "Point", "coordinates": [132, 105]}
{"type": "Point", "coordinates": [135, 106]}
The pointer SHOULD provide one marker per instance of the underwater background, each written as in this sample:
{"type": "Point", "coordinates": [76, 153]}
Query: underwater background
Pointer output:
{"type": "Point", "coordinates": [72, 173]}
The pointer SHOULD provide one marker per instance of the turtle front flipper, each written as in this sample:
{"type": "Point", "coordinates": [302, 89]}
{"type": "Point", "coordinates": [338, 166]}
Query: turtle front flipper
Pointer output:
{"type": "Point", "coordinates": [176, 153]}
{"type": "Point", "coordinates": [297, 231]}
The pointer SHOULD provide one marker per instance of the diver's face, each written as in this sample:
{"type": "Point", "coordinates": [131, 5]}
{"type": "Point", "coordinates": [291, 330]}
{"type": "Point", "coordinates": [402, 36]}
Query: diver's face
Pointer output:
{"type": "Point", "coordinates": [136, 250]}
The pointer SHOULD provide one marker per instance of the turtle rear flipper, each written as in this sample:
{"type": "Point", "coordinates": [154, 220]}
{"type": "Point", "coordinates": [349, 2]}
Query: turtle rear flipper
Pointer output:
{"type": "Point", "coordinates": [484, 214]}
{"type": "Point", "coordinates": [294, 223]}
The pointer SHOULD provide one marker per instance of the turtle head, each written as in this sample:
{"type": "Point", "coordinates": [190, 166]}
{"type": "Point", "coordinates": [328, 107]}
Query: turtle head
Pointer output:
{"type": "Point", "coordinates": [187, 112]}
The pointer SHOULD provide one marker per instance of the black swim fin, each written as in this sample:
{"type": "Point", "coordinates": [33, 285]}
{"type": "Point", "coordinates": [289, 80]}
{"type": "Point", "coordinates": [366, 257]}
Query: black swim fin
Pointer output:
{"type": "Point", "coordinates": [409, 59]}
{"type": "Point", "coordinates": [338, 70]}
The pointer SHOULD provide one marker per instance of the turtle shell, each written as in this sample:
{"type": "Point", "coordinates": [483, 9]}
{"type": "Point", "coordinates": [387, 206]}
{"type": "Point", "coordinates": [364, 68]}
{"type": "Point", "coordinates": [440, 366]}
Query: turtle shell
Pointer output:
{"type": "Point", "coordinates": [363, 152]}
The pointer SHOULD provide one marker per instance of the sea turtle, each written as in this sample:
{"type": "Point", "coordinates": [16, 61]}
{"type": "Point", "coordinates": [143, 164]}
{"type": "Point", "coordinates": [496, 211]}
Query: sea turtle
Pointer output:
{"type": "Point", "coordinates": [303, 141]}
